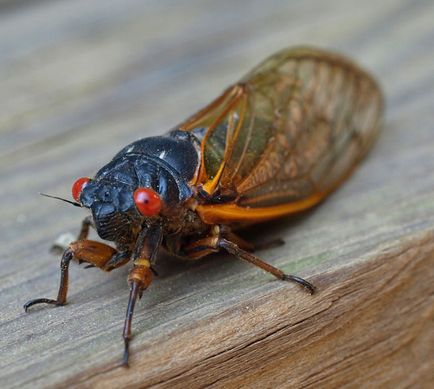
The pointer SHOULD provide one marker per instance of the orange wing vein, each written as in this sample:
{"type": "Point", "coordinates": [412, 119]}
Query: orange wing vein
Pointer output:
{"type": "Point", "coordinates": [286, 135]}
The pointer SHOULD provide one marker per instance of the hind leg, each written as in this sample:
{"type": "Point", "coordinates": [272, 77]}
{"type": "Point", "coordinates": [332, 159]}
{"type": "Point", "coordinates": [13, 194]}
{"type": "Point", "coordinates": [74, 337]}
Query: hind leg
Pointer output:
{"type": "Point", "coordinates": [222, 239]}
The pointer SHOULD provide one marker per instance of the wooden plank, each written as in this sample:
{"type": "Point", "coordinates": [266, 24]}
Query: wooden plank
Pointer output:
{"type": "Point", "coordinates": [81, 79]}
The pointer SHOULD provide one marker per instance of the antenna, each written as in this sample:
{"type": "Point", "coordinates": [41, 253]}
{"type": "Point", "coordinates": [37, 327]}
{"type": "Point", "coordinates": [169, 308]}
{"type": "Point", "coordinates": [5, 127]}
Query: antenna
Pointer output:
{"type": "Point", "coordinates": [62, 199]}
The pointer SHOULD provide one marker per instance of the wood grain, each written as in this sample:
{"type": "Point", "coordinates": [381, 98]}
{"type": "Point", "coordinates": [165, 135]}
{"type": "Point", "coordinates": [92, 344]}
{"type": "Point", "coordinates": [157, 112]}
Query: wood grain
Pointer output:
{"type": "Point", "coordinates": [79, 80]}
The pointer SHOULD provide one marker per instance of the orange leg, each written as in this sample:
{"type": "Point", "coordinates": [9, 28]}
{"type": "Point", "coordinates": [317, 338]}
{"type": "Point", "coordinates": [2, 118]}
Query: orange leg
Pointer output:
{"type": "Point", "coordinates": [231, 243]}
{"type": "Point", "coordinates": [140, 277]}
{"type": "Point", "coordinates": [95, 253]}
{"type": "Point", "coordinates": [60, 247]}
{"type": "Point", "coordinates": [202, 247]}
{"type": "Point", "coordinates": [249, 246]}
{"type": "Point", "coordinates": [233, 249]}
{"type": "Point", "coordinates": [85, 225]}
{"type": "Point", "coordinates": [63, 288]}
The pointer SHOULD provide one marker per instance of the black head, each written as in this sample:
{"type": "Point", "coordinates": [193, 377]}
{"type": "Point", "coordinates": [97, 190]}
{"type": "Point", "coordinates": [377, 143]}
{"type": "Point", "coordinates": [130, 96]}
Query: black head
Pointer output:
{"type": "Point", "coordinates": [128, 192]}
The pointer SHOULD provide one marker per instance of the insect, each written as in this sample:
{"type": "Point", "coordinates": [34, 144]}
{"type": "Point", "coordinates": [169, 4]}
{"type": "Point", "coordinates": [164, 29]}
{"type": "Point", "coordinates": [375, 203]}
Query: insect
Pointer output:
{"type": "Point", "coordinates": [275, 143]}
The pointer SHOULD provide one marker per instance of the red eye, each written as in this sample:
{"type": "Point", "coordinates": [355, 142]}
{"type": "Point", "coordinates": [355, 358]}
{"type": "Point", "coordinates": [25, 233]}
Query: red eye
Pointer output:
{"type": "Point", "coordinates": [147, 201]}
{"type": "Point", "coordinates": [78, 187]}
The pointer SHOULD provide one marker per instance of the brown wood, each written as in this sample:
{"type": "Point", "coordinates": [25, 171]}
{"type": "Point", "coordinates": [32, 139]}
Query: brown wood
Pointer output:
{"type": "Point", "coordinates": [79, 80]}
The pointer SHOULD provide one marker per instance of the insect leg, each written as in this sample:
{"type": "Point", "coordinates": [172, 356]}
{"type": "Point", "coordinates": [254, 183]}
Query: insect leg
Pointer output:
{"type": "Point", "coordinates": [59, 247]}
{"type": "Point", "coordinates": [117, 260]}
{"type": "Point", "coordinates": [63, 288]}
{"type": "Point", "coordinates": [140, 276]}
{"type": "Point", "coordinates": [213, 243]}
{"type": "Point", "coordinates": [134, 292]}
{"type": "Point", "coordinates": [201, 248]}
{"type": "Point", "coordinates": [85, 225]}
{"type": "Point", "coordinates": [95, 253]}
{"type": "Point", "coordinates": [208, 245]}
{"type": "Point", "coordinates": [240, 242]}
{"type": "Point", "coordinates": [98, 254]}
{"type": "Point", "coordinates": [233, 249]}
{"type": "Point", "coordinates": [246, 245]}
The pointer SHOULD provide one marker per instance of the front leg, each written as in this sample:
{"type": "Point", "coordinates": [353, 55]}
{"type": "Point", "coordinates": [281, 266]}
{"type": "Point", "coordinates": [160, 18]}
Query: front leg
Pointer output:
{"type": "Point", "coordinates": [95, 253]}
{"type": "Point", "coordinates": [63, 288]}
{"type": "Point", "coordinates": [140, 276]}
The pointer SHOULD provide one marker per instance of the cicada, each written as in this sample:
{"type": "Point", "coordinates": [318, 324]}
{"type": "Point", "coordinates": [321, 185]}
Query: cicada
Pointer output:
{"type": "Point", "coordinates": [273, 144]}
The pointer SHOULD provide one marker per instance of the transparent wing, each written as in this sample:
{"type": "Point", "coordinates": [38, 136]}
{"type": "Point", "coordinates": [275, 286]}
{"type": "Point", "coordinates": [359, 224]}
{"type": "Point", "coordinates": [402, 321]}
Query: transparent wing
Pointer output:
{"type": "Point", "coordinates": [292, 128]}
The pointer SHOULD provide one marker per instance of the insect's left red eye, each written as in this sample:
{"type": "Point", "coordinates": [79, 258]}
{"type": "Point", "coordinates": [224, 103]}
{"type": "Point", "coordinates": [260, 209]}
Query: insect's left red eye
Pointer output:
{"type": "Point", "coordinates": [148, 202]}
{"type": "Point", "coordinates": [78, 187]}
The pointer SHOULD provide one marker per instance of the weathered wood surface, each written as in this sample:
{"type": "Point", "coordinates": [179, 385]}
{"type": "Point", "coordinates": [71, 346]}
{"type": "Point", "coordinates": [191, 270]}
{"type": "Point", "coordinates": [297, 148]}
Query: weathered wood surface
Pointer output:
{"type": "Point", "coordinates": [78, 80]}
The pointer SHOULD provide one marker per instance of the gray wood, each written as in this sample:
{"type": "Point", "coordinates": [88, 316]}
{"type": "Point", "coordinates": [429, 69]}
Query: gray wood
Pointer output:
{"type": "Point", "coordinates": [81, 79]}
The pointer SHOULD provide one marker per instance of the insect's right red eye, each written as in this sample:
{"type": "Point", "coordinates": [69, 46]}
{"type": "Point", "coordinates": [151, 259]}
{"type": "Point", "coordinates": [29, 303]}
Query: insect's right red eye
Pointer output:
{"type": "Point", "coordinates": [148, 202]}
{"type": "Point", "coordinates": [78, 187]}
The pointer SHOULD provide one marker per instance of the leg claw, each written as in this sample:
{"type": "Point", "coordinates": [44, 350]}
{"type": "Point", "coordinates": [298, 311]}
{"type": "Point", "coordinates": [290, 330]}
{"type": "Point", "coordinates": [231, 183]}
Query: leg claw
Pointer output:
{"type": "Point", "coordinates": [28, 304]}
{"type": "Point", "coordinates": [305, 284]}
